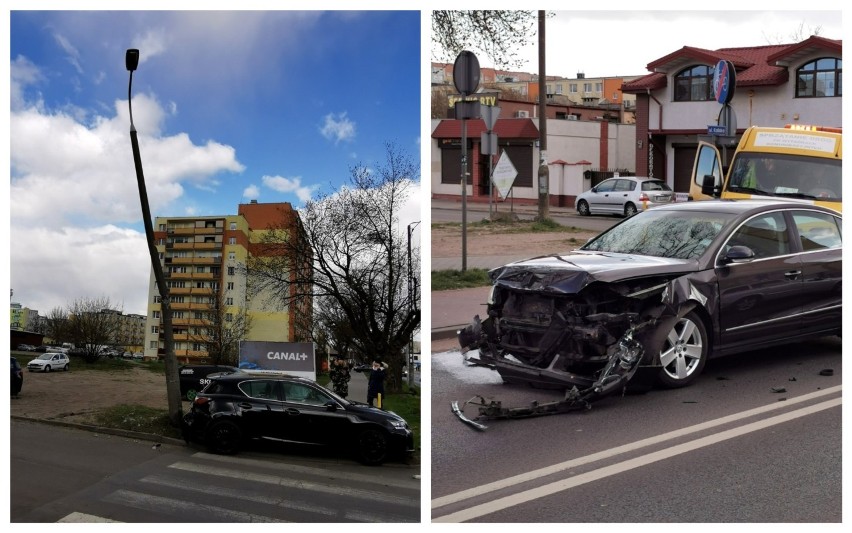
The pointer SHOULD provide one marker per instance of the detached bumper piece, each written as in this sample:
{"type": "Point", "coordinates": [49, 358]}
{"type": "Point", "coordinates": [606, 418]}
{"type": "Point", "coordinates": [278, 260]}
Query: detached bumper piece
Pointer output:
{"type": "Point", "coordinates": [622, 364]}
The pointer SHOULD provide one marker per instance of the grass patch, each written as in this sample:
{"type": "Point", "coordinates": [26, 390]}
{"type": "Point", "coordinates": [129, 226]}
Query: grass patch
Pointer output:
{"type": "Point", "coordinates": [137, 418]}
{"type": "Point", "coordinates": [503, 225]}
{"type": "Point", "coordinates": [407, 405]}
{"type": "Point", "coordinates": [443, 280]}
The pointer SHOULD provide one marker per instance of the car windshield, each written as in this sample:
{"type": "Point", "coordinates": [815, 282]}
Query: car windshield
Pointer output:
{"type": "Point", "coordinates": [658, 233]}
{"type": "Point", "coordinates": [46, 356]}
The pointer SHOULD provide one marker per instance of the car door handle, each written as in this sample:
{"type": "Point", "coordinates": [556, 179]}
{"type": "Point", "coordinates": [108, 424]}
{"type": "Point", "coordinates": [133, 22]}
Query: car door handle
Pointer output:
{"type": "Point", "coordinates": [793, 274]}
{"type": "Point", "coordinates": [245, 405]}
{"type": "Point", "coordinates": [291, 411]}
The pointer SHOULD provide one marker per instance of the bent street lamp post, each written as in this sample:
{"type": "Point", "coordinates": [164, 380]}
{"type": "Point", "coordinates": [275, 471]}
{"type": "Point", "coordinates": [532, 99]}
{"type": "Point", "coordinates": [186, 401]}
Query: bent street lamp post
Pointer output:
{"type": "Point", "coordinates": [172, 379]}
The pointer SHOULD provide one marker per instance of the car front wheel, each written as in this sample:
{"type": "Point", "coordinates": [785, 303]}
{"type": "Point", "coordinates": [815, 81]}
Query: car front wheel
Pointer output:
{"type": "Point", "coordinates": [583, 208]}
{"type": "Point", "coordinates": [684, 352]}
{"type": "Point", "coordinates": [65, 368]}
{"type": "Point", "coordinates": [224, 437]}
{"type": "Point", "coordinates": [47, 368]}
{"type": "Point", "coordinates": [372, 446]}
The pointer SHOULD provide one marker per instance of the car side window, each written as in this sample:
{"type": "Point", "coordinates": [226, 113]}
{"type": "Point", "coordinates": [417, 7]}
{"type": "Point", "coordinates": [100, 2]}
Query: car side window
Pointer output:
{"type": "Point", "coordinates": [261, 389]}
{"type": "Point", "coordinates": [625, 185]}
{"type": "Point", "coordinates": [605, 186]}
{"type": "Point", "coordinates": [817, 231]}
{"type": "Point", "coordinates": [300, 393]}
{"type": "Point", "coordinates": [766, 235]}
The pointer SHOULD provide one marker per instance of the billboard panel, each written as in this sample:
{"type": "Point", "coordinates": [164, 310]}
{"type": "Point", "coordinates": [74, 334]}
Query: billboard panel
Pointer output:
{"type": "Point", "coordinates": [296, 358]}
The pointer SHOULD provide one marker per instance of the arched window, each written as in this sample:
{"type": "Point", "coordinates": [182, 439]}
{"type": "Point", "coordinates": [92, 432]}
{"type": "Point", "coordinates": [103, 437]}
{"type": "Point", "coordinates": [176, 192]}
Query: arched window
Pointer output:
{"type": "Point", "coordinates": [694, 84]}
{"type": "Point", "coordinates": [822, 77]}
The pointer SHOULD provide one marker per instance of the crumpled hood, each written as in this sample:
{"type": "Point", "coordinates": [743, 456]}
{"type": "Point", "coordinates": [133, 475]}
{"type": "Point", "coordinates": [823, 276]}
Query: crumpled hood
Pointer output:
{"type": "Point", "coordinates": [572, 272]}
{"type": "Point", "coordinates": [372, 413]}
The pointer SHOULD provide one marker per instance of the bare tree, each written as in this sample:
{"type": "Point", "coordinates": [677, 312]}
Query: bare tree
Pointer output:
{"type": "Point", "coordinates": [55, 325]}
{"type": "Point", "coordinates": [798, 35]}
{"type": "Point", "coordinates": [359, 263]}
{"type": "Point", "coordinates": [220, 330]}
{"type": "Point", "coordinates": [498, 34]}
{"type": "Point", "coordinates": [93, 324]}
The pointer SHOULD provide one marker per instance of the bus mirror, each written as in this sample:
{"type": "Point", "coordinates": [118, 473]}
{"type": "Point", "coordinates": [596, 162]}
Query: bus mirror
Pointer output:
{"type": "Point", "coordinates": [709, 186]}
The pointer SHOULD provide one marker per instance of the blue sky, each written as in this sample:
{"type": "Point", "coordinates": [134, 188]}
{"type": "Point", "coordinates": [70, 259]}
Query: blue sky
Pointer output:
{"type": "Point", "coordinates": [273, 106]}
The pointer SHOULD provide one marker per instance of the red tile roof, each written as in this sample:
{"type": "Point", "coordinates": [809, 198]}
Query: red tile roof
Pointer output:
{"type": "Point", "coordinates": [757, 65]}
{"type": "Point", "coordinates": [505, 128]}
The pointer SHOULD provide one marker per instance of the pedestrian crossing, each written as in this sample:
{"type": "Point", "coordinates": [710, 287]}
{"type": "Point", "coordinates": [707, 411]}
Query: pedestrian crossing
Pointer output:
{"type": "Point", "coordinates": [204, 487]}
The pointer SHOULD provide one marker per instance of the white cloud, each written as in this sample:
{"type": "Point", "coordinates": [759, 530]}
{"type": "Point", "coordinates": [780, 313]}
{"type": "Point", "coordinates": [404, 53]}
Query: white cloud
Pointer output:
{"type": "Point", "coordinates": [52, 267]}
{"type": "Point", "coordinates": [289, 185]}
{"type": "Point", "coordinates": [71, 50]}
{"type": "Point", "coordinates": [151, 44]}
{"type": "Point", "coordinates": [252, 192]}
{"type": "Point", "coordinates": [73, 182]}
{"type": "Point", "coordinates": [338, 128]}
{"type": "Point", "coordinates": [23, 73]}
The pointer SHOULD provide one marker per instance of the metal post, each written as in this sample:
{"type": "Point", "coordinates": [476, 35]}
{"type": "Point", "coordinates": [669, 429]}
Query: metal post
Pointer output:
{"type": "Point", "coordinates": [411, 306]}
{"type": "Point", "coordinates": [464, 195]}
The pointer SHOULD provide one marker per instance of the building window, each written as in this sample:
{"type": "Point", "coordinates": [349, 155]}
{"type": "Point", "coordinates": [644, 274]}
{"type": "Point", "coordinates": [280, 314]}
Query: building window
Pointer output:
{"type": "Point", "coordinates": [156, 314]}
{"type": "Point", "coordinates": [153, 345]}
{"type": "Point", "coordinates": [232, 240]}
{"type": "Point", "coordinates": [823, 77]}
{"type": "Point", "coordinates": [233, 225]}
{"type": "Point", "coordinates": [232, 256]}
{"type": "Point", "coordinates": [694, 84]}
{"type": "Point", "coordinates": [155, 329]}
{"type": "Point", "coordinates": [199, 269]}
{"type": "Point", "coordinates": [229, 317]}
{"type": "Point", "coordinates": [572, 87]}
{"type": "Point", "coordinates": [587, 87]}
{"type": "Point", "coordinates": [230, 285]}
{"type": "Point", "coordinates": [558, 88]}
{"type": "Point", "coordinates": [157, 299]}
{"type": "Point", "coordinates": [229, 301]}
{"type": "Point", "coordinates": [230, 271]}
{"type": "Point", "coordinates": [598, 87]}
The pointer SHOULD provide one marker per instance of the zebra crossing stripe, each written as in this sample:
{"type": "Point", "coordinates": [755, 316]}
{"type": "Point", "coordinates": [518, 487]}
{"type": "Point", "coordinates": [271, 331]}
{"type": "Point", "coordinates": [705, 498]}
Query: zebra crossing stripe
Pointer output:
{"type": "Point", "coordinates": [172, 507]}
{"type": "Point", "coordinates": [83, 518]}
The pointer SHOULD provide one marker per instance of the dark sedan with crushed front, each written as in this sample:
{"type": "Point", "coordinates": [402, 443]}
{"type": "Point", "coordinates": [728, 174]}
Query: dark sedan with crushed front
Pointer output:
{"type": "Point", "coordinates": [664, 291]}
{"type": "Point", "coordinates": [239, 406]}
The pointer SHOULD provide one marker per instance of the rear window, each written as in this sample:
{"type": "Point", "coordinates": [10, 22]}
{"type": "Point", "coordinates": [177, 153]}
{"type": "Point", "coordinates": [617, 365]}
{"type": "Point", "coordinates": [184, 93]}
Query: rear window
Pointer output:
{"type": "Point", "coordinates": [655, 186]}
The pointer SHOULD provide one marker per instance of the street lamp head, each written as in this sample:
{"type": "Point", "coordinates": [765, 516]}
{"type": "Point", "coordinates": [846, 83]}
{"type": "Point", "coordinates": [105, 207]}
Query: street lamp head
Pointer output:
{"type": "Point", "coordinates": [131, 59]}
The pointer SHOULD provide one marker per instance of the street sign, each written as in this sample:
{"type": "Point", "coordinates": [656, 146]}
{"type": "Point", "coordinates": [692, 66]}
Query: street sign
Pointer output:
{"type": "Point", "coordinates": [466, 73]}
{"type": "Point", "coordinates": [716, 130]}
{"type": "Point", "coordinates": [488, 143]}
{"type": "Point", "coordinates": [724, 81]}
{"type": "Point", "coordinates": [489, 115]}
{"type": "Point", "coordinates": [504, 175]}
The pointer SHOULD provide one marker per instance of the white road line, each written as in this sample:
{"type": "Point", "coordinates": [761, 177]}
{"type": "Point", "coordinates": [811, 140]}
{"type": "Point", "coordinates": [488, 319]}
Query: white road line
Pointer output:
{"type": "Point", "coordinates": [172, 507]}
{"type": "Point", "coordinates": [657, 439]}
{"type": "Point", "coordinates": [501, 504]}
{"type": "Point", "coordinates": [277, 501]}
{"type": "Point", "coordinates": [83, 518]}
{"type": "Point", "coordinates": [323, 472]}
{"type": "Point", "coordinates": [297, 484]}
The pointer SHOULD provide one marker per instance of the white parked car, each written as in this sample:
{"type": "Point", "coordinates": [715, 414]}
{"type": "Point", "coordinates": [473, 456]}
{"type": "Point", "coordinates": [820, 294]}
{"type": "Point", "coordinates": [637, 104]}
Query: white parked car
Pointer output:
{"type": "Point", "coordinates": [49, 361]}
{"type": "Point", "coordinates": [624, 196]}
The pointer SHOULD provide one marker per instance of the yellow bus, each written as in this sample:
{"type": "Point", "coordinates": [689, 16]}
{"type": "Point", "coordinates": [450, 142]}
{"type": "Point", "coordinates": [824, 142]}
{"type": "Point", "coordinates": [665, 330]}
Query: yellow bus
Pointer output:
{"type": "Point", "coordinates": [798, 162]}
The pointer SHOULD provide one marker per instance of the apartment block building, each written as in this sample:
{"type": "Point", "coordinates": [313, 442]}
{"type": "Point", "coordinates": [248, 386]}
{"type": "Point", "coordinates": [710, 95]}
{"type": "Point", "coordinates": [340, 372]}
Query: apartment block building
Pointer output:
{"type": "Point", "coordinates": [203, 261]}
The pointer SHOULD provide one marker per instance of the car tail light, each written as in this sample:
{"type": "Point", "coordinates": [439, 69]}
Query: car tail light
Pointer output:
{"type": "Point", "coordinates": [644, 197]}
{"type": "Point", "coordinates": [201, 403]}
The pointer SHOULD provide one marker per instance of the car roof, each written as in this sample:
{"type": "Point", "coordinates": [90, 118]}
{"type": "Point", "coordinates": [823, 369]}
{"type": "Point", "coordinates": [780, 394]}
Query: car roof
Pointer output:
{"type": "Point", "coordinates": [740, 206]}
{"type": "Point", "coordinates": [243, 375]}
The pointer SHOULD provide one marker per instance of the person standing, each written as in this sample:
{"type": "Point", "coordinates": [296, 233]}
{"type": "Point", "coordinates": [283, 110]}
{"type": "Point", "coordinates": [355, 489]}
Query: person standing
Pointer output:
{"type": "Point", "coordinates": [376, 383]}
{"type": "Point", "coordinates": [340, 375]}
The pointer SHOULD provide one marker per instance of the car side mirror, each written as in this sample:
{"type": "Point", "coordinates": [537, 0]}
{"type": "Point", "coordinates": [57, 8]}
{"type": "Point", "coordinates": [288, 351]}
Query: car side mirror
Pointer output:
{"type": "Point", "coordinates": [739, 254]}
{"type": "Point", "coordinates": [331, 405]}
{"type": "Point", "coordinates": [709, 187]}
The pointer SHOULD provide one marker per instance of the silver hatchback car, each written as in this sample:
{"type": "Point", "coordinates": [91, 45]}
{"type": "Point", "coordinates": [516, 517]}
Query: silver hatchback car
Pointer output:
{"type": "Point", "coordinates": [624, 196]}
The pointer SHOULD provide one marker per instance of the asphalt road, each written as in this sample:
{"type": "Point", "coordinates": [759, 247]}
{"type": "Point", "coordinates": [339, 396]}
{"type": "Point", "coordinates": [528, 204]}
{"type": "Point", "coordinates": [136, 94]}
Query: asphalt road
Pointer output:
{"type": "Point", "coordinates": [68, 475]}
{"type": "Point", "coordinates": [726, 449]}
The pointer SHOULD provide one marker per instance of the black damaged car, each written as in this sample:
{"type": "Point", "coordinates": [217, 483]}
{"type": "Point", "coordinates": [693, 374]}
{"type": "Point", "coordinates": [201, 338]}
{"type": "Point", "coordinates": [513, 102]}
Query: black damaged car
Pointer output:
{"type": "Point", "coordinates": [664, 290]}
{"type": "Point", "coordinates": [240, 406]}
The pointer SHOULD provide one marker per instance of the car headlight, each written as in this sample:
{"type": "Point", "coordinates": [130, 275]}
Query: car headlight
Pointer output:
{"type": "Point", "coordinates": [398, 424]}
{"type": "Point", "coordinates": [490, 300]}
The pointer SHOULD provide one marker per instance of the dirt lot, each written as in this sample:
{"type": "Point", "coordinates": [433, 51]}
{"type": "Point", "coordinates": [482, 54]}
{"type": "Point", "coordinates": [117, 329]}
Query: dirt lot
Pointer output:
{"type": "Point", "coordinates": [74, 396]}
{"type": "Point", "coordinates": [495, 240]}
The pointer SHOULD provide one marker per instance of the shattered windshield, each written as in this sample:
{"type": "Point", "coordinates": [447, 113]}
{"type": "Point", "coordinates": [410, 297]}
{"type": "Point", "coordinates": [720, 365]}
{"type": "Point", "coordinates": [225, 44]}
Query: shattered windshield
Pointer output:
{"type": "Point", "coordinates": [676, 235]}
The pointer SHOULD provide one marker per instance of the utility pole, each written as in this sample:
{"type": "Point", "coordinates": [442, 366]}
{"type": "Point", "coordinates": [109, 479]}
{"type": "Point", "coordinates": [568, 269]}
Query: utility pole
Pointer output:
{"type": "Point", "coordinates": [543, 171]}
